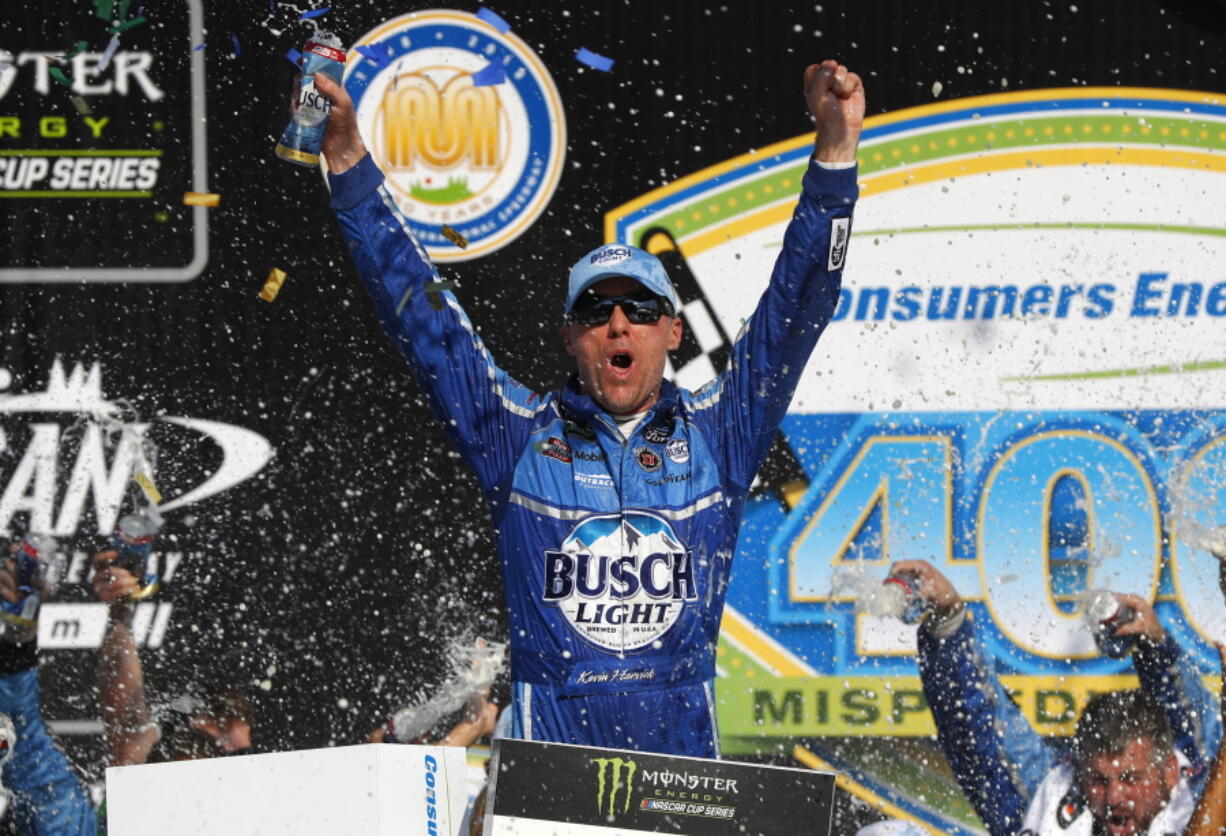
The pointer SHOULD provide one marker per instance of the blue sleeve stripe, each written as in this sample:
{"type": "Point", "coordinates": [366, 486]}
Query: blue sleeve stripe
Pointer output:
{"type": "Point", "coordinates": [492, 371]}
{"type": "Point", "coordinates": [710, 397]}
{"type": "Point", "coordinates": [687, 511]}
{"type": "Point", "coordinates": [404, 227]}
{"type": "Point", "coordinates": [386, 197]}
{"type": "Point", "coordinates": [546, 509]}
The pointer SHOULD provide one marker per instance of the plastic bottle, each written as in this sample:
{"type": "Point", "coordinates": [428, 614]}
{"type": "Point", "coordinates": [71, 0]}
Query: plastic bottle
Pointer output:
{"type": "Point", "coordinates": [1105, 614]}
{"type": "Point", "coordinates": [902, 597]}
{"type": "Point", "coordinates": [304, 136]}
{"type": "Point", "coordinates": [133, 539]}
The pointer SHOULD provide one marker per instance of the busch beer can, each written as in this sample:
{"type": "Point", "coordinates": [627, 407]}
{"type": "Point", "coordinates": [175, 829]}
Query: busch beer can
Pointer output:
{"type": "Point", "coordinates": [304, 136]}
{"type": "Point", "coordinates": [134, 535]}
{"type": "Point", "coordinates": [21, 616]}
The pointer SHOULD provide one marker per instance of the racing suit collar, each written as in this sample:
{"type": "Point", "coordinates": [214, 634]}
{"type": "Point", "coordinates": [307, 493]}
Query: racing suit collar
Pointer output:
{"type": "Point", "coordinates": [582, 409]}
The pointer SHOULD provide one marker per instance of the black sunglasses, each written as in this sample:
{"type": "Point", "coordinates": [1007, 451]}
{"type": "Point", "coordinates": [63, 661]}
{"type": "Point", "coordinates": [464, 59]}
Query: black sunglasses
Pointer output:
{"type": "Point", "coordinates": [641, 308]}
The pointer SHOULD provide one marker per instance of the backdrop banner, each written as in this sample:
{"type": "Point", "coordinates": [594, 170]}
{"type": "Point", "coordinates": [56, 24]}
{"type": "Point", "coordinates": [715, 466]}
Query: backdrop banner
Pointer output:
{"type": "Point", "coordinates": [1023, 384]}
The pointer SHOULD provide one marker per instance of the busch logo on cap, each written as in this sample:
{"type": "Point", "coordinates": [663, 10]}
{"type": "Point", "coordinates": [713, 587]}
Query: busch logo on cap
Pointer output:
{"type": "Point", "coordinates": [610, 255]}
{"type": "Point", "coordinates": [620, 581]}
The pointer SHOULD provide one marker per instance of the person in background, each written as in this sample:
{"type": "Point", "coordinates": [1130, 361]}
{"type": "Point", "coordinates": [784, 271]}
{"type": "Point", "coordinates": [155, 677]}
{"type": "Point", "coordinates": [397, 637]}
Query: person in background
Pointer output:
{"type": "Point", "coordinates": [1209, 817]}
{"type": "Point", "coordinates": [212, 722]}
{"type": "Point", "coordinates": [46, 796]}
{"type": "Point", "coordinates": [1138, 757]}
{"type": "Point", "coordinates": [472, 722]}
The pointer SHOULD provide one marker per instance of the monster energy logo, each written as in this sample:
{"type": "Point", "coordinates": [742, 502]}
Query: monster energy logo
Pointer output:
{"type": "Point", "coordinates": [615, 769]}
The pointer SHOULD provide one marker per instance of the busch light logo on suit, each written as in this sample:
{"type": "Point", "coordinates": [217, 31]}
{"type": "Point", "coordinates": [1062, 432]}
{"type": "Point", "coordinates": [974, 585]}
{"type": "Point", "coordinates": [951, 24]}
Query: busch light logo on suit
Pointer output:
{"type": "Point", "coordinates": [621, 581]}
{"type": "Point", "coordinates": [482, 158]}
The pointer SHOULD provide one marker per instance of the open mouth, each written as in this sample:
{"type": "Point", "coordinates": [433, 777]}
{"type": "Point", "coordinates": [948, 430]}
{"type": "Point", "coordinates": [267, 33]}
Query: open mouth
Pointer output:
{"type": "Point", "coordinates": [1120, 823]}
{"type": "Point", "coordinates": [621, 360]}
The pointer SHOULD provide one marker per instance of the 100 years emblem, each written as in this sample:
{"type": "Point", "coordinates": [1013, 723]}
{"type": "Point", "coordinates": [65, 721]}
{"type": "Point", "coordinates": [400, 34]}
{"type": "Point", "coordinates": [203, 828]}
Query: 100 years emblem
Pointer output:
{"type": "Point", "coordinates": [482, 159]}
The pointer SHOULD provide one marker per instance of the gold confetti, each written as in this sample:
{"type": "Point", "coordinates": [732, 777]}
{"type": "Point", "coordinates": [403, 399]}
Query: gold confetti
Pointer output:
{"type": "Point", "coordinates": [146, 485]}
{"type": "Point", "coordinates": [272, 285]}
{"type": "Point", "coordinates": [455, 237]}
{"type": "Point", "coordinates": [201, 199]}
{"type": "Point", "coordinates": [82, 106]}
{"type": "Point", "coordinates": [145, 591]}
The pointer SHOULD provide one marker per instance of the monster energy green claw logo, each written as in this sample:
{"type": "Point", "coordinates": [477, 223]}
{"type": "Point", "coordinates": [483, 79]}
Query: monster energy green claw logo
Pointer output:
{"type": "Point", "coordinates": [615, 769]}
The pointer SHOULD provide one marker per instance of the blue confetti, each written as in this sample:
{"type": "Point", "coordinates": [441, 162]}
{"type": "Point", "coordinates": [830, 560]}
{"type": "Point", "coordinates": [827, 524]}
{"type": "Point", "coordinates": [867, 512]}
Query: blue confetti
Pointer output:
{"type": "Point", "coordinates": [295, 57]}
{"type": "Point", "coordinates": [489, 75]}
{"type": "Point", "coordinates": [307, 15]}
{"type": "Point", "coordinates": [197, 49]}
{"type": "Point", "coordinates": [379, 57]}
{"type": "Point", "coordinates": [594, 60]}
{"type": "Point", "coordinates": [493, 19]}
{"type": "Point", "coordinates": [234, 40]}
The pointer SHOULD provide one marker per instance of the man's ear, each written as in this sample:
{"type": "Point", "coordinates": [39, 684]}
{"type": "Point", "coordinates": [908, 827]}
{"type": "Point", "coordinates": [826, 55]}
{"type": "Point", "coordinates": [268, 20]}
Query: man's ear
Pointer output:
{"type": "Point", "coordinates": [1170, 771]}
{"type": "Point", "coordinates": [567, 341]}
{"type": "Point", "coordinates": [674, 334]}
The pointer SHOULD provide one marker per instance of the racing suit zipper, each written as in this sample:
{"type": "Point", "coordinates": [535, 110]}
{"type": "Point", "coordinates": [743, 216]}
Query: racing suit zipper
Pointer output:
{"type": "Point", "coordinates": [621, 495]}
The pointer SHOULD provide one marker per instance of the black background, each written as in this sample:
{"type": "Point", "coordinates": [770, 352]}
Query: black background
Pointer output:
{"type": "Point", "coordinates": [348, 564]}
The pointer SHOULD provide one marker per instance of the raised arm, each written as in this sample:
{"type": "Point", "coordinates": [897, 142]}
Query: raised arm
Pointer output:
{"type": "Point", "coordinates": [835, 98]}
{"type": "Point", "coordinates": [747, 403]}
{"type": "Point", "coordinates": [487, 414]}
{"type": "Point", "coordinates": [996, 756]}
{"type": "Point", "coordinates": [47, 796]}
{"type": "Point", "coordinates": [1209, 818]}
{"type": "Point", "coordinates": [129, 730]}
{"type": "Point", "coordinates": [1167, 675]}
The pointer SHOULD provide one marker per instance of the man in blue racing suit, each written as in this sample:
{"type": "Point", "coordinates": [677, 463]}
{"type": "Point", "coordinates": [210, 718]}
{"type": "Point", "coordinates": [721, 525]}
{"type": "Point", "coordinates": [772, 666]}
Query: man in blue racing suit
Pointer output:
{"type": "Point", "coordinates": [1139, 757]}
{"type": "Point", "coordinates": [47, 797]}
{"type": "Point", "coordinates": [617, 498]}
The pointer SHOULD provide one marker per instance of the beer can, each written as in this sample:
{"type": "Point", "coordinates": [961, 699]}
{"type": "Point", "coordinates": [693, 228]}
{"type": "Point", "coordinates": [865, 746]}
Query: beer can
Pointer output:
{"type": "Point", "coordinates": [909, 606]}
{"type": "Point", "coordinates": [1104, 613]}
{"type": "Point", "coordinates": [133, 539]}
{"type": "Point", "coordinates": [21, 616]}
{"type": "Point", "coordinates": [304, 136]}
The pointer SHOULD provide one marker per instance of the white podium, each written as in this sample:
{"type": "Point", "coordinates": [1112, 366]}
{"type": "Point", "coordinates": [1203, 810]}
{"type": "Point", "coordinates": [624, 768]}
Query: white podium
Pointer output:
{"type": "Point", "coordinates": [372, 789]}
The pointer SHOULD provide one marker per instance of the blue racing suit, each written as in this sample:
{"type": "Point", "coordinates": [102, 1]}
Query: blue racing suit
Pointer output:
{"type": "Point", "coordinates": [999, 760]}
{"type": "Point", "coordinates": [47, 797]}
{"type": "Point", "coordinates": [615, 552]}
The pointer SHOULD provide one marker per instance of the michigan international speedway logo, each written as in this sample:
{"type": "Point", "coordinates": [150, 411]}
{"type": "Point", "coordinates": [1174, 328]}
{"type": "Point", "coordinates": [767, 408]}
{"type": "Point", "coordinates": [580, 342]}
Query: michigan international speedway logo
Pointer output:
{"type": "Point", "coordinates": [1024, 384]}
{"type": "Point", "coordinates": [466, 124]}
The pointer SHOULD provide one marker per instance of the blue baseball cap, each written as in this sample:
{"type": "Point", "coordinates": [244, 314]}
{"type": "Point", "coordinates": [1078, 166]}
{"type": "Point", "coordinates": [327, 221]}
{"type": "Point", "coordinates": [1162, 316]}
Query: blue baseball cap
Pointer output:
{"type": "Point", "coordinates": [611, 260]}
